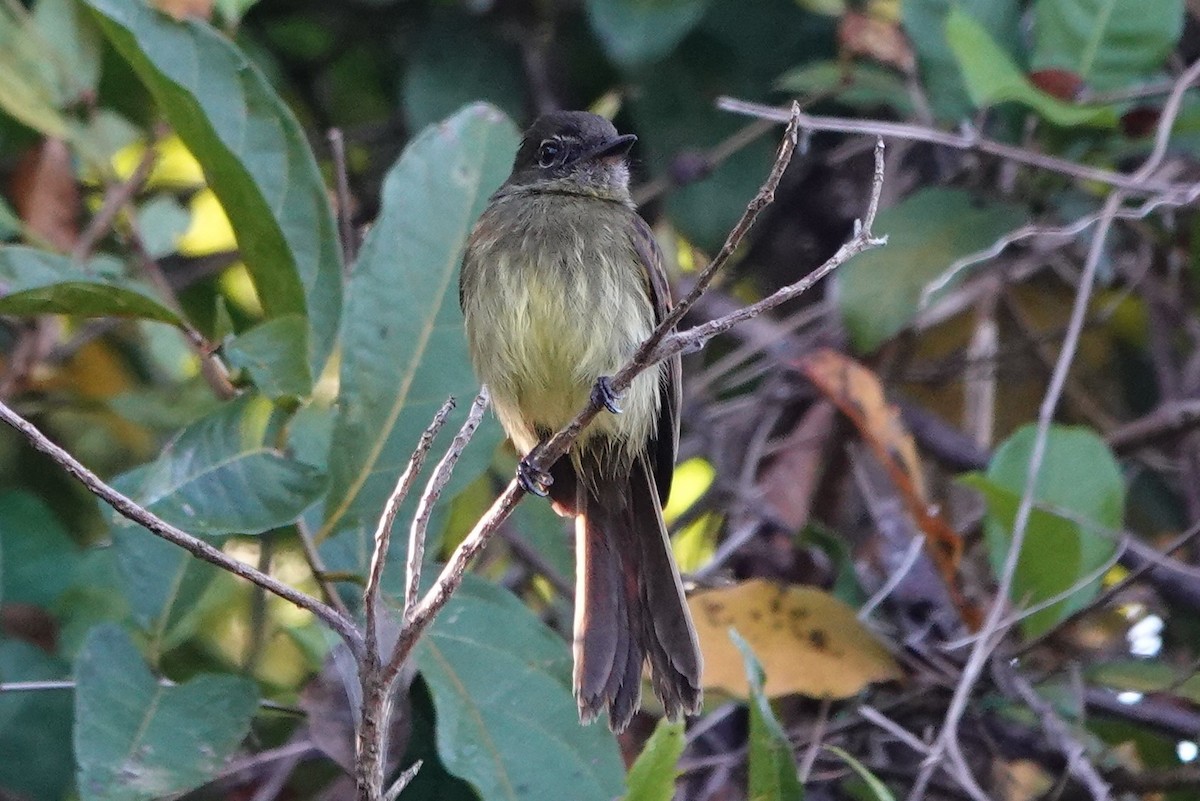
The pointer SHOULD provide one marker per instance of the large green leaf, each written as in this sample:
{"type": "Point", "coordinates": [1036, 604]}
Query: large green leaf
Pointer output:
{"type": "Point", "coordinates": [925, 24]}
{"type": "Point", "coordinates": [255, 157]}
{"type": "Point", "coordinates": [992, 77]}
{"type": "Point", "coordinates": [676, 121]}
{"type": "Point", "coordinates": [221, 475]}
{"type": "Point", "coordinates": [37, 282]}
{"type": "Point", "coordinates": [457, 60]}
{"type": "Point", "coordinates": [273, 353]}
{"type": "Point", "coordinates": [404, 348]}
{"type": "Point", "coordinates": [37, 558]}
{"type": "Point", "coordinates": [636, 32]}
{"type": "Point", "coordinates": [879, 291]}
{"type": "Point", "coordinates": [1080, 500]}
{"type": "Point", "coordinates": [652, 777]}
{"type": "Point", "coordinates": [493, 669]}
{"type": "Point", "coordinates": [35, 727]}
{"type": "Point", "coordinates": [773, 774]}
{"type": "Point", "coordinates": [136, 738]}
{"type": "Point", "coordinates": [1109, 43]}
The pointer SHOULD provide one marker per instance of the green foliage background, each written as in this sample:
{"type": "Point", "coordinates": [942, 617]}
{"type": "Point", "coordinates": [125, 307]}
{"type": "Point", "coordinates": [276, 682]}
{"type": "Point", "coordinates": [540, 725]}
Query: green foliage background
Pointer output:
{"type": "Point", "coordinates": [339, 365]}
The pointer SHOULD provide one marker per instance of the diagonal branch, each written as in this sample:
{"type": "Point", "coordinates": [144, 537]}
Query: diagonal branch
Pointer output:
{"type": "Point", "coordinates": [195, 546]}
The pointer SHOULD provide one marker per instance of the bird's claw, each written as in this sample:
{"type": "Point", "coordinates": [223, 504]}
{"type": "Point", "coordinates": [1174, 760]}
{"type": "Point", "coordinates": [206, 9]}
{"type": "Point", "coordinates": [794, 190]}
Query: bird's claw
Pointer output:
{"type": "Point", "coordinates": [604, 394]}
{"type": "Point", "coordinates": [533, 479]}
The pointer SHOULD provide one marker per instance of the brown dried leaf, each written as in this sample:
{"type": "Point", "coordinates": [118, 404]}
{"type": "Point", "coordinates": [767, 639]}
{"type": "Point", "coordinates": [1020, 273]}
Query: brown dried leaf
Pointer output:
{"type": "Point", "coordinates": [877, 38]}
{"type": "Point", "coordinates": [46, 195]}
{"type": "Point", "coordinates": [808, 641]}
{"type": "Point", "coordinates": [185, 9]}
{"type": "Point", "coordinates": [787, 484]}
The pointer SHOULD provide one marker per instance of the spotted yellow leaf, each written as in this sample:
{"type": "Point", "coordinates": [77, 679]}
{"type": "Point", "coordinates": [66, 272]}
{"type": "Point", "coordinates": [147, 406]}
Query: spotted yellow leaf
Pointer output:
{"type": "Point", "coordinates": [808, 641]}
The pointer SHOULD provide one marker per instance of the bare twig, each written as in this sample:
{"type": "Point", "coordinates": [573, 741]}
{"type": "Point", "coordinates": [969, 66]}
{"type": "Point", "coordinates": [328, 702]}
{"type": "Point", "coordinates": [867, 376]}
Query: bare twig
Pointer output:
{"type": "Point", "coordinates": [341, 175]}
{"type": "Point", "coordinates": [383, 532]}
{"type": "Point", "coordinates": [433, 491]}
{"type": "Point", "coordinates": [317, 566]}
{"type": "Point", "coordinates": [991, 631]}
{"type": "Point", "coordinates": [115, 199]}
{"type": "Point", "coordinates": [971, 140]}
{"type": "Point", "coordinates": [402, 781]}
{"type": "Point", "coordinates": [201, 550]}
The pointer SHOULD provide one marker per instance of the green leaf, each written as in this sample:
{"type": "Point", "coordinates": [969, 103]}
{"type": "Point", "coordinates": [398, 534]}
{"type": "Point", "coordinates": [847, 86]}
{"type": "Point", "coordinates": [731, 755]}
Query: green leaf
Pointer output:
{"type": "Point", "coordinates": [1111, 44]}
{"type": "Point", "coordinates": [675, 120]}
{"type": "Point", "coordinates": [29, 92]}
{"type": "Point", "coordinates": [652, 777]}
{"type": "Point", "coordinates": [76, 45]}
{"type": "Point", "coordinates": [38, 558]}
{"type": "Point", "coordinates": [991, 77]}
{"type": "Point", "coordinates": [858, 85]}
{"type": "Point", "coordinates": [255, 157]}
{"type": "Point", "coordinates": [925, 23]}
{"type": "Point", "coordinates": [220, 476]}
{"type": "Point", "coordinates": [773, 775]}
{"type": "Point", "coordinates": [273, 353]}
{"type": "Point", "coordinates": [35, 726]}
{"type": "Point", "coordinates": [458, 60]}
{"type": "Point", "coordinates": [36, 282]}
{"type": "Point", "coordinates": [1144, 676]}
{"type": "Point", "coordinates": [878, 789]}
{"type": "Point", "coordinates": [223, 475]}
{"type": "Point", "coordinates": [136, 738]}
{"type": "Point", "coordinates": [1079, 500]}
{"type": "Point", "coordinates": [879, 291]}
{"type": "Point", "coordinates": [404, 351]}
{"type": "Point", "coordinates": [635, 32]}
{"type": "Point", "coordinates": [493, 669]}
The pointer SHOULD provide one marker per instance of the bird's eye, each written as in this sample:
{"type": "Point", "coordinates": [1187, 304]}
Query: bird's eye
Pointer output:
{"type": "Point", "coordinates": [548, 153]}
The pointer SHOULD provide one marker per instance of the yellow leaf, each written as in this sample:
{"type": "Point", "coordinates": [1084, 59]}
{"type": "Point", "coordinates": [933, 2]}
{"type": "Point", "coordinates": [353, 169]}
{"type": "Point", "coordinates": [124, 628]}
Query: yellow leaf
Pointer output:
{"type": "Point", "coordinates": [209, 230]}
{"type": "Point", "coordinates": [808, 641]}
{"type": "Point", "coordinates": [174, 165]}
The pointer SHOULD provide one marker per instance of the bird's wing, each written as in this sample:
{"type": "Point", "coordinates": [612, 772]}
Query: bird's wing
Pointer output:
{"type": "Point", "coordinates": [667, 437]}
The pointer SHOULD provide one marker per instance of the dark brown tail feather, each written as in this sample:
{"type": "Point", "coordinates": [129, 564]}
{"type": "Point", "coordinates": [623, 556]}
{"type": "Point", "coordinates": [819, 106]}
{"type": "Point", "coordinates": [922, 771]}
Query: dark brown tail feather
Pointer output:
{"type": "Point", "coordinates": [629, 603]}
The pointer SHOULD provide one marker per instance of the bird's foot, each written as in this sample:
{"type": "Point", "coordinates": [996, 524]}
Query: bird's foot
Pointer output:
{"type": "Point", "coordinates": [532, 478]}
{"type": "Point", "coordinates": [604, 394]}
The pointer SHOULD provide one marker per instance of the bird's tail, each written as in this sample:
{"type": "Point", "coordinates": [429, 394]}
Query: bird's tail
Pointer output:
{"type": "Point", "coordinates": [629, 602]}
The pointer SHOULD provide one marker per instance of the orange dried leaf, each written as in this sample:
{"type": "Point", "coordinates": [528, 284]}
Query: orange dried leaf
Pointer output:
{"type": "Point", "coordinates": [186, 9]}
{"type": "Point", "coordinates": [46, 194]}
{"type": "Point", "coordinates": [808, 641]}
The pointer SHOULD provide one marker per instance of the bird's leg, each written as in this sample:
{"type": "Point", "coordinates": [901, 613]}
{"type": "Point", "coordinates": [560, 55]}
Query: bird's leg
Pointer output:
{"type": "Point", "coordinates": [604, 394]}
{"type": "Point", "coordinates": [531, 477]}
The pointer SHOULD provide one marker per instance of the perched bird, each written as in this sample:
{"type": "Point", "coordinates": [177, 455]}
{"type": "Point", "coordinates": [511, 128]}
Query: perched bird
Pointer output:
{"type": "Point", "coordinates": [561, 282]}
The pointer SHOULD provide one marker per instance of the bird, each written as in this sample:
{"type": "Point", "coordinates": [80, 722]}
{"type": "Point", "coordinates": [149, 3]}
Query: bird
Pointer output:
{"type": "Point", "coordinates": [561, 281]}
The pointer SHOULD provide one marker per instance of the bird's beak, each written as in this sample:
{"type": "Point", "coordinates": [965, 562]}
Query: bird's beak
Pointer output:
{"type": "Point", "coordinates": [614, 148]}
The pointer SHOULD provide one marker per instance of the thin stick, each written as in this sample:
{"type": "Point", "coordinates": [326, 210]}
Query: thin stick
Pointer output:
{"type": "Point", "coordinates": [115, 198]}
{"type": "Point", "coordinates": [433, 491]}
{"type": "Point", "coordinates": [319, 571]}
{"type": "Point", "coordinates": [966, 141]}
{"type": "Point", "coordinates": [991, 632]}
{"type": "Point", "coordinates": [197, 547]}
{"type": "Point", "coordinates": [341, 178]}
{"type": "Point", "coordinates": [383, 531]}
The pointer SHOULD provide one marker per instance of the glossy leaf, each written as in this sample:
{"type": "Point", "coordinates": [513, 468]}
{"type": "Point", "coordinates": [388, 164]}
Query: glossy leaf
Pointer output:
{"type": "Point", "coordinates": [404, 347]}
{"type": "Point", "coordinates": [925, 24]}
{"type": "Point", "coordinates": [652, 777]}
{"type": "Point", "coordinates": [493, 669]}
{"type": "Point", "coordinates": [1079, 503]}
{"type": "Point", "coordinates": [992, 77]}
{"type": "Point", "coordinates": [636, 32]}
{"type": "Point", "coordinates": [773, 775]}
{"type": "Point", "coordinates": [221, 475]}
{"type": "Point", "coordinates": [37, 282]}
{"type": "Point", "coordinates": [1111, 44]}
{"type": "Point", "coordinates": [879, 291]}
{"type": "Point", "coordinates": [255, 157]}
{"type": "Point", "coordinates": [273, 353]}
{"type": "Point", "coordinates": [136, 738]}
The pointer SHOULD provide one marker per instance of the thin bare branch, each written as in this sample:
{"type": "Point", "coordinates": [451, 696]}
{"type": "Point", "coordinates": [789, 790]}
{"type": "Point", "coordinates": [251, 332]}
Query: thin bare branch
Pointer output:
{"type": "Point", "coordinates": [433, 491]}
{"type": "Point", "coordinates": [201, 550]}
{"type": "Point", "coordinates": [383, 531]}
{"type": "Point", "coordinates": [341, 177]}
{"type": "Point", "coordinates": [970, 140]}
